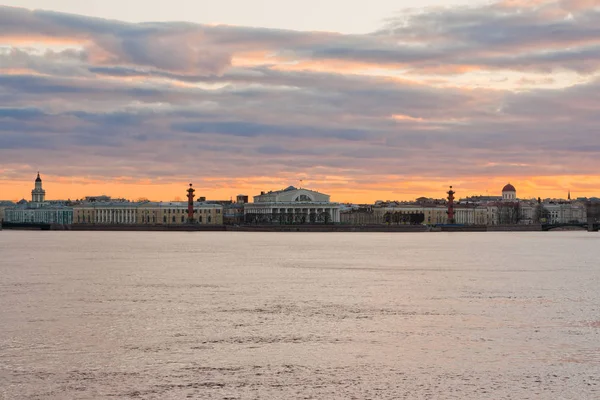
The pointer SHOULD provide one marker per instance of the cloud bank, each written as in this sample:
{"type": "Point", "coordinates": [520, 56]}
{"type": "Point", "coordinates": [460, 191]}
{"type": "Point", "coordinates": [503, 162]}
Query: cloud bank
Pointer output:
{"type": "Point", "coordinates": [445, 95]}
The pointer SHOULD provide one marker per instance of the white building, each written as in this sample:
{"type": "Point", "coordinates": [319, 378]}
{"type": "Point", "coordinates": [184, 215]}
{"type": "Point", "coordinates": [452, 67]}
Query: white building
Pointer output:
{"type": "Point", "coordinates": [61, 215]}
{"type": "Point", "coordinates": [292, 206]}
{"type": "Point", "coordinates": [4, 204]}
{"type": "Point", "coordinates": [565, 212]}
{"type": "Point", "coordinates": [38, 211]}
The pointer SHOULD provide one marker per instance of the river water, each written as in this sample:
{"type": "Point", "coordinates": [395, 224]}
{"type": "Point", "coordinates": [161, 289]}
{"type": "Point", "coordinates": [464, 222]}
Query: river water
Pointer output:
{"type": "Point", "coordinates": [223, 315]}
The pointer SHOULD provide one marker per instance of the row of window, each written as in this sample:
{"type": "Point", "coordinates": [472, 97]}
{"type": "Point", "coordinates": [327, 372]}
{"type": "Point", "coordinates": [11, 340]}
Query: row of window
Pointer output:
{"type": "Point", "coordinates": [196, 211]}
{"type": "Point", "coordinates": [88, 219]}
{"type": "Point", "coordinates": [183, 219]}
{"type": "Point", "coordinates": [174, 211]}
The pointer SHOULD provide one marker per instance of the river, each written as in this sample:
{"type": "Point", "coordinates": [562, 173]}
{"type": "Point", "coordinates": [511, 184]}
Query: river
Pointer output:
{"type": "Point", "coordinates": [225, 315]}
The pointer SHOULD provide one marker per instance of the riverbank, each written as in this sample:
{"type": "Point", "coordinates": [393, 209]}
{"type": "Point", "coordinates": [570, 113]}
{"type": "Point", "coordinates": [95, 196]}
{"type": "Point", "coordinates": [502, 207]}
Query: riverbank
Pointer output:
{"type": "Point", "coordinates": [277, 228]}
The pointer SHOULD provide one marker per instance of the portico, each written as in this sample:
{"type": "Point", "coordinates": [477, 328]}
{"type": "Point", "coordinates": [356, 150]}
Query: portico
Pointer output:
{"type": "Point", "coordinates": [292, 206]}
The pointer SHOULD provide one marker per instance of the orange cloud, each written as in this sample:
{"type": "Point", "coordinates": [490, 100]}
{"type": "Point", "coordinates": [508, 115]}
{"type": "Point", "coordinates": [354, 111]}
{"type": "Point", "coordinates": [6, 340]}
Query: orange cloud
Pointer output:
{"type": "Point", "coordinates": [40, 40]}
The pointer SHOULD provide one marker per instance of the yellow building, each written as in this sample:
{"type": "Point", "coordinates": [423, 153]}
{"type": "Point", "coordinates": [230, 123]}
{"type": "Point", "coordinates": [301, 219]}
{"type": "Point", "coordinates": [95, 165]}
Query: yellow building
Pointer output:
{"type": "Point", "coordinates": [84, 214]}
{"type": "Point", "coordinates": [146, 213]}
{"type": "Point", "coordinates": [176, 213]}
{"type": "Point", "coordinates": [432, 214]}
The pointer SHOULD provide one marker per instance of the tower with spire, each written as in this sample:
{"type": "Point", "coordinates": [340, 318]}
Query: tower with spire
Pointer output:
{"type": "Point", "coordinates": [38, 194]}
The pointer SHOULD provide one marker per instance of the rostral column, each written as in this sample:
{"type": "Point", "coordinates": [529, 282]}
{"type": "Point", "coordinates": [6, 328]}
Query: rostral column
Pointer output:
{"type": "Point", "coordinates": [190, 197]}
{"type": "Point", "coordinates": [450, 212]}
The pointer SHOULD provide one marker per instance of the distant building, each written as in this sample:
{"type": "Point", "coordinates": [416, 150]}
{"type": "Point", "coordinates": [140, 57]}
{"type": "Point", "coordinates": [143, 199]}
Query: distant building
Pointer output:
{"type": "Point", "coordinates": [233, 213]}
{"type": "Point", "coordinates": [565, 212]}
{"type": "Point", "coordinates": [509, 193]}
{"type": "Point", "coordinates": [4, 204]}
{"type": "Point", "coordinates": [146, 213]}
{"type": "Point", "coordinates": [406, 213]}
{"type": "Point", "coordinates": [292, 206]}
{"type": "Point", "coordinates": [61, 215]}
{"type": "Point", "coordinates": [39, 211]}
{"type": "Point", "coordinates": [101, 198]}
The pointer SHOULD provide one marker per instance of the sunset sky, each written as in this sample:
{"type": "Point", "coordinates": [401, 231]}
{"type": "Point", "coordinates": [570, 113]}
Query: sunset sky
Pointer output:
{"type": "Point", "coordinates": [361, 100]}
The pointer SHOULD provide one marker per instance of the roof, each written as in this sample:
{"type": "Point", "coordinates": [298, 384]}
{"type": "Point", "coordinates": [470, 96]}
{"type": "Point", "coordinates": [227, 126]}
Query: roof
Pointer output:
{"type": "Point", "coordinates": [509, 188]}
{"type": "Point", "coordinates": [288, 189]}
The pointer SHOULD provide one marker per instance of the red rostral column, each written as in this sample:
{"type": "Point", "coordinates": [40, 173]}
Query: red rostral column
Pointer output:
{"type": "Point", "coordinates": [190, 197]}
{"type": "Point", "coordinates": [451, 194]}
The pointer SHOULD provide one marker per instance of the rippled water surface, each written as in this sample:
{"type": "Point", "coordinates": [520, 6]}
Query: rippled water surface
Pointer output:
{"type": "Point", "coordinates": [219, 315]}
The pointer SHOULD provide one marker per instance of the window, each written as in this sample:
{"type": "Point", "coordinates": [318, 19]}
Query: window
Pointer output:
{"type": "Point", "coordinates": [165, 219]}
{"type": "Point", "coordinates": [200, 219]}
{"type": "Point", "coordinates": [182, 218]}
{"type": "Point", "coordinates": [303, 197]}
{"type": "Point", "coordinates": [173, 219]}
{"type": "Point", "coordinates": [218, 211]}
{"type": "Point", "coordinates": [208, 219]}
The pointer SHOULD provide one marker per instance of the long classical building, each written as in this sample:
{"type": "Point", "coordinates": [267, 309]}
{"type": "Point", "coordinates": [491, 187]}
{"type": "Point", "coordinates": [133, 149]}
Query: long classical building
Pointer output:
{"type": "Point", "coordinates": [292, 206]}
{"type": "Point", "coordinates": [146, 213]}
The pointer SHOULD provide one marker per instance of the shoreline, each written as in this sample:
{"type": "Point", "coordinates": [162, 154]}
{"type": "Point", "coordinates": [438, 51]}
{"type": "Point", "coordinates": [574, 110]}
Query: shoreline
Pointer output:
{"type": "Point", "coordinates": [285, 228]}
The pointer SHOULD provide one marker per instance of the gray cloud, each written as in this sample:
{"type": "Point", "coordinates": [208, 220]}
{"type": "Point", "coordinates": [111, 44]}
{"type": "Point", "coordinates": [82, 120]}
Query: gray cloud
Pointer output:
{"type": "Point", "coordinates": [152, 100]}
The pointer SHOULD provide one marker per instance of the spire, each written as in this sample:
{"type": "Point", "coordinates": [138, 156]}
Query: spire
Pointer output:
{"type": "Point", "coordinates": [569, 195]}
{"type": "Point", "coordinates": [38, 179]}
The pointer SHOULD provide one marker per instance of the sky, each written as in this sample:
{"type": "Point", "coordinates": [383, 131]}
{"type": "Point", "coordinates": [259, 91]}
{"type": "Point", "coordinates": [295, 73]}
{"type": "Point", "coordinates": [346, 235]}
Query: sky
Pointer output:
{"type": "Point", "coordinates": [364, 101]}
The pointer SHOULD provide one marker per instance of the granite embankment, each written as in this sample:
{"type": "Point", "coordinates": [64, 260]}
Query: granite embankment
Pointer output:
{"type": "Point", "coordinates": [278, 228]}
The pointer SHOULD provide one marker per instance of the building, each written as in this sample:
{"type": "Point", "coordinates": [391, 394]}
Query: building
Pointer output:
{"type": "Point", "coordinates": [564, 212]}
{"type": "Point", "coordinates": [175, 213]}
{"type": "Point", "coordinates": [509, 193]}
{"type": "Point", "coordinates": [471, 214]}
{"type": "Point", "coordinates": [233, 213]}
{"type": "Point", "coordinates": [292, 206]}
{"type": "Point", "coordinates": [39, 214]}
{"type": "Point", "coordinates": [4, 204]}
{"type": "Point", "coordinates": [475, 210]}
{"type": "Point", "coordinates": [146, 213]}
{"type": "Point", "coordinates": [408, 213]}
{"type": "Point", "coordinates": [38, 194]}
{"type": "Point", "coordinates": [39, 211]}
{"type": "Point", "coordinates": [106, 212]}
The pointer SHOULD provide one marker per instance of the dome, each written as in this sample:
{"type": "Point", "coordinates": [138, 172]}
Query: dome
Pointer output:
{"type": "Point", "coordinates": [38, 179]}
{"type": "Point", "coordinates": [509, 188]}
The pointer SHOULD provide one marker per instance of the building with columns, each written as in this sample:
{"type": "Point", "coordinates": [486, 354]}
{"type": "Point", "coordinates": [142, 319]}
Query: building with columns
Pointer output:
{"type": "Point", "coordinates": [509, 193]}
{"type": "Point", "coordinates": [292, 206]}
{"type": "Point", "coordinates": [146, 213]}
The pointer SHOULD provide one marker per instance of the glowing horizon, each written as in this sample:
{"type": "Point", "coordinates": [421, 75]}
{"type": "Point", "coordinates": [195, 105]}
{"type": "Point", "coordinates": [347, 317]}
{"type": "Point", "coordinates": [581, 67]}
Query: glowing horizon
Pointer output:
{"type": "Point", "coordinates": [80, 188]}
